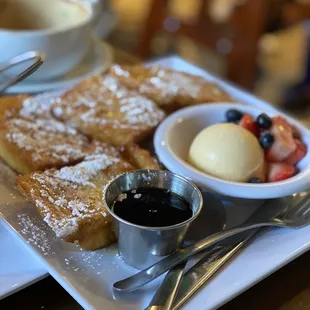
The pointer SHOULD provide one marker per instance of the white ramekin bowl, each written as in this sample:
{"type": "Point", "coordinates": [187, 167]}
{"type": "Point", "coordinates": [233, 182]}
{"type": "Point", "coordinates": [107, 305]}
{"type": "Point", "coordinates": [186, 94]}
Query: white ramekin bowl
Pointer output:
{"type": "Point", "coordinates": [175, 134]}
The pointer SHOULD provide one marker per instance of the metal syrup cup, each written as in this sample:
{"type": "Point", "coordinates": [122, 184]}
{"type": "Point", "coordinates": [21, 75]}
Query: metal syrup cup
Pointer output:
{"type": "Point", "coordinates": [142, 246]}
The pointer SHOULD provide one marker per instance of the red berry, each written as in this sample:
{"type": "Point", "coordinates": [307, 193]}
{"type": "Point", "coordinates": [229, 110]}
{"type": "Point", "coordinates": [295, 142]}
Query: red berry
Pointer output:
{"type": "Point", "coordinates": [296, 133]}
{"type": "Point", "coordinates": [280, 121]}
{"type": "Point", "coordinates": [298, 154]}
{"type": "Point", "coordinates": [280, 171]}
{"type": "Point", "coordinates": [284, 143]}
{"type": "Point", "coordinates": [249, 123]}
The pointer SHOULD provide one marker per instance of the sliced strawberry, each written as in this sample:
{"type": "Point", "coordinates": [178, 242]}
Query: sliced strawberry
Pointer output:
{"type": "Point", "coordinates": [284, 143]}
{"type": "Point", "coordinates": [298, 154]}
{"type": "Point", "coordinates": [249, 123]}
{"type": "Point", "coordinates": [280, 171]}
{"type": "Point", "coordinates": [280, 121]}
{"type": "Point", "coordinates": [296, 133]}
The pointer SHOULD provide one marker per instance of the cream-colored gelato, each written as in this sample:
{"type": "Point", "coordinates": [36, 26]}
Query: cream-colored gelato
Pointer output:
{"type": "Point", "coordinates": [229, 152]}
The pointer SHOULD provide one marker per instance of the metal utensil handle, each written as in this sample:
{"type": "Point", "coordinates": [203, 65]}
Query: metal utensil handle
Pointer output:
{"type": "Point", "coordinates": [149, 274]}
{"type": "Point", "coordinates": [207, 272]}
{"type": "Point", "coordinates": [38, 59]}
{"type": "Point", "coordinates": [165, 295]}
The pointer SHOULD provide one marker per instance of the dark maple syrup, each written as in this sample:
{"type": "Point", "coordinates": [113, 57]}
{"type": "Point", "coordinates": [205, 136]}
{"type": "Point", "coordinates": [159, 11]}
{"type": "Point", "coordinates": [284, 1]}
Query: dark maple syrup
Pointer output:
{"type": "Point", "coordinates": [152, 207]}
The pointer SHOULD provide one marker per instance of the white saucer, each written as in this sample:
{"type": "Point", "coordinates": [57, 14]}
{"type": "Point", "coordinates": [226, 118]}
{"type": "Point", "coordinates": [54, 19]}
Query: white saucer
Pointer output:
{"type": "Point", "coordinates": [98, 59]}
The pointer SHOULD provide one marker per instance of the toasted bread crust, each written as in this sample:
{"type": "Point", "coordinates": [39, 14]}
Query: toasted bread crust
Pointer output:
{"type": "Point", "coordinates": [140, 158]}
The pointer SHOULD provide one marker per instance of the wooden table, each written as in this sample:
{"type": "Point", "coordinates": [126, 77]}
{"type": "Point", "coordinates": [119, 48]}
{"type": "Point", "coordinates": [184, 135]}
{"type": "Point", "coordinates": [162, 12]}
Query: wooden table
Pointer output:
{"type": "Point", "coordinates": [287, 289]}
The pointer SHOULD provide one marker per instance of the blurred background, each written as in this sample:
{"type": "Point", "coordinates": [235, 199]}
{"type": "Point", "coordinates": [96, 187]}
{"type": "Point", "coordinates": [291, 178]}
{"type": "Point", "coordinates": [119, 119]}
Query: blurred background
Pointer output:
{"type": "Point", "coordinates": [261, 45]}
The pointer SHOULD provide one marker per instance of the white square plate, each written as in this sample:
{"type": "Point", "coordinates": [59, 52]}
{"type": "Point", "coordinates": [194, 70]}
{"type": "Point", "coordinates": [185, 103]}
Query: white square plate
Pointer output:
{"type": "Point", "coordinates": [88, 276]}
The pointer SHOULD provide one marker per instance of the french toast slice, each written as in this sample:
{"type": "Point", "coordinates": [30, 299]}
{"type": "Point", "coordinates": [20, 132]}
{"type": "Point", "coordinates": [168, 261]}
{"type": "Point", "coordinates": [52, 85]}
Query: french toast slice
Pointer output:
{"type": "Point", "coordinates": [40, 144]}
{"type": "Point", "coordinates": [31, 139]}
{"type": "Point", "coordinates": [103, 109]}
{"type": "Point", "coordinates": [139, 157]}
{"type": "Point", "coordinates": [69, 199]}
{"type": "Point", "coordinates": [170, 89]}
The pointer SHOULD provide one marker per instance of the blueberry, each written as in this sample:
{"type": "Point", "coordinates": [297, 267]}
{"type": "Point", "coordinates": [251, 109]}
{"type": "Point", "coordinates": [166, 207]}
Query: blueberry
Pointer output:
{"type": "Point", "coordinates": [233, 116]}
{"type": "Point", "coordinates": [264, 121]}
{"type": "Point", "coordinates": [255, 180]}
{"type": "Point", "coordinates": [266, 139]}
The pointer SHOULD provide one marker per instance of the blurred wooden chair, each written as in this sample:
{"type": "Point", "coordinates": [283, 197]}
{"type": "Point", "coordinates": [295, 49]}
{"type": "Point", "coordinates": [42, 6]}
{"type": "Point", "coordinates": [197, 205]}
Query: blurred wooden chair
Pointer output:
{"type": "Point", "coordinates": [295, 11]}
{"type": "Point", "coordinates": [235, 38]}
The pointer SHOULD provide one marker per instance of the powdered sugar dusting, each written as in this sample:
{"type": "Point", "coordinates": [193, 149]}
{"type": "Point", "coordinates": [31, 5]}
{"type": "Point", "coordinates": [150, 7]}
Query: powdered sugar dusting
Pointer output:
{"type": "Point", "coordinates": [71, 197]}
{"type": "Point", "coordinates": [105, 102]}
{"type": "Point", "coordinates": [168, 86]}
{"type": "Point", "coordinates": [39, 106]}
{"type": "Point", "coordinates": [47, 142]}
{"type": "Point", "coordinates": [92, 261]}
{"type": "Point", "coordinates": [43, 140]}
{"type": "Point", "coordinates": [174, 82]}
{"type": "Point", "coordinates": [34, 234]}
{"type": "Point", "coordinates": [83, 172]}
{"type": "Point", "coordinates": [49, 125]}
{"type": "Point", "coordinates": [63, 203]}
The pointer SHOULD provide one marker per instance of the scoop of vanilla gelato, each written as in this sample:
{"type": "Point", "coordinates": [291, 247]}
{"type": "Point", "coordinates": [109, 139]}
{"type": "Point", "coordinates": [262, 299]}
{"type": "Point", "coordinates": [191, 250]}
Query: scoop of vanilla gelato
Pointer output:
{"type": "Point", "coordinates": [229, 152]}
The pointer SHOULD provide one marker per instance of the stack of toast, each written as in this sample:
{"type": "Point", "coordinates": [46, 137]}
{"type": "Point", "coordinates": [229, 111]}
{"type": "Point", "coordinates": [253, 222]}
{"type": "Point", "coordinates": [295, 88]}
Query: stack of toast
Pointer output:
{"type": "Point", "coordinates": [68, 149]}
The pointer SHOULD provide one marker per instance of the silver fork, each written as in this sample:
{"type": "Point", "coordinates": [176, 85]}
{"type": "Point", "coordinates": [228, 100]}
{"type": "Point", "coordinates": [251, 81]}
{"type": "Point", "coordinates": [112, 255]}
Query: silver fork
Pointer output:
{"type": "Point", "coordinates": [178, 287]}
{"type": "Point", "coordinates": [205, 269]}
{"type": "Point", "coordinates": [35, 58]}
{"type": "Point", "coordinates": [278, 214]}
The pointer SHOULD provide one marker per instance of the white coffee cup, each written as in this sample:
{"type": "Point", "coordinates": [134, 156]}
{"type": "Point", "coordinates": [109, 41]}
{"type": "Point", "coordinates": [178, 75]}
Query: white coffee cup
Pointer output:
{"type": "Point", "coordinates": [61, 29]}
